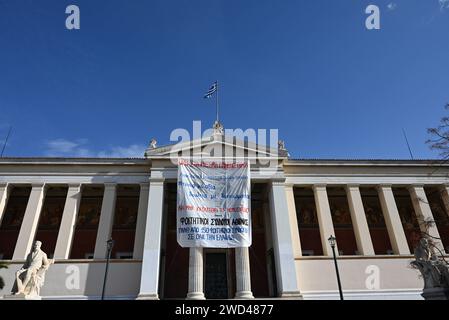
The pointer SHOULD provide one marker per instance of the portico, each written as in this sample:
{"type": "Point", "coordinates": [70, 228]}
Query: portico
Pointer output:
{"type": "Point", "coordinates": [237, 261]}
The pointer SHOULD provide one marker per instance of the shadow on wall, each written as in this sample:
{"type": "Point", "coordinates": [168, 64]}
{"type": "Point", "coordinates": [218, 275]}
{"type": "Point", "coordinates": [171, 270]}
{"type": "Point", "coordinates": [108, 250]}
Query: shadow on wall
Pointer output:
{"type": "Point", "coordinates": [84, 280]}
{"type": "Point", "coordinates": [123, 280]}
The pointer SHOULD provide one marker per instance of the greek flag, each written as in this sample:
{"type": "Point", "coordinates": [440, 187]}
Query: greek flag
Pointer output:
{"type": "Point", "coordinates": [211, 91]}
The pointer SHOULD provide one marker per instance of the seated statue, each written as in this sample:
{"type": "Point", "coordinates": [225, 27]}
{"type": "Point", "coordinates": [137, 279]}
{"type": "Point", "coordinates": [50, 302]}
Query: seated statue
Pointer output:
{"type": "Point", "coordinates": [435, 271]}
{"type": "Point", "coordinates": [30, 278]}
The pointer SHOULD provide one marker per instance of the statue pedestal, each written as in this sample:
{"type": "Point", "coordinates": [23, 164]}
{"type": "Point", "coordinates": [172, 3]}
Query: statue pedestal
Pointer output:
{"type": "Point", "coordinates": [21, 297]}
{"type": "Point", "coordinates": [436, 294]}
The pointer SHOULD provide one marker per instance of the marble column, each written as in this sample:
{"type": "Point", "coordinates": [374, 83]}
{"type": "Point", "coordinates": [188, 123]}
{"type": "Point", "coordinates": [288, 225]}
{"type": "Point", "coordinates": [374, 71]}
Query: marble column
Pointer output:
{"type": "Point", "coordinates": [359, 222]}
{"type": "Point", "coordinates": [424, 214]}
{"type": "Point", "coordinates": [296, 241]}
{"type": "Point", "coordinates": [5, 189]}
{"type": "Point", "coordinates": [325, 223]}
{"type": "Point", "coordinates": [196, 291]}
{"type": "Point", "coordinates": [149, 279]}
{"type": "Point", "coordinates": [243, 274]}
{"type": "Point", "coordinates": [106, 220]}
{"type": "Point", "coordinates": [141, 220]}
{"type": "Point", "coordinates": [30, 222]}
{"type": "Point", "coordinates": [393, 222]}
{"type": "Point", "coordinates": [68, 221]}
{"type": "Point", "coordinates": [287, 281]}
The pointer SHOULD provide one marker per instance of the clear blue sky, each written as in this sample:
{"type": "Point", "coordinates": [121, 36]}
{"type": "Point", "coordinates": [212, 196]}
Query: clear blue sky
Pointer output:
{"type": "Point", "coordinates": [138, 69]}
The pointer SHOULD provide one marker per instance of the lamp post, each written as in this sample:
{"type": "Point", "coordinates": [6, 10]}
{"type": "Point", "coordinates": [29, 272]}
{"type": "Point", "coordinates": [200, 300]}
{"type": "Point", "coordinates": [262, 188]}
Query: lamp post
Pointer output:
{"type": "Point", "coordinates": [110, 244]}
{"type": "Point", "coordinates": [332, 242]}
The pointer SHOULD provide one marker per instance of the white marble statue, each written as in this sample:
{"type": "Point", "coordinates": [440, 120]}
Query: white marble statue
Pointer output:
{"type": "Point", "coordinates": [153, 143]}
{"type": "Point", "coordinates": [30, 278]}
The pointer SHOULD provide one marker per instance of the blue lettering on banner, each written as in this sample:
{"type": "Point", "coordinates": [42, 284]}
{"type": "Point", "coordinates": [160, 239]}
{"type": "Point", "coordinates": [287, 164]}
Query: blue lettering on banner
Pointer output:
{"type": "Point", "coordinates": [213, 208]}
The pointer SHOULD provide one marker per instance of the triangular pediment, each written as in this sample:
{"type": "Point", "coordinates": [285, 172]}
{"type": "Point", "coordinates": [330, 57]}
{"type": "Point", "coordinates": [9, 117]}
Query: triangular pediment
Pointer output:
{"type": "Point", "coordinates": [216, 145]}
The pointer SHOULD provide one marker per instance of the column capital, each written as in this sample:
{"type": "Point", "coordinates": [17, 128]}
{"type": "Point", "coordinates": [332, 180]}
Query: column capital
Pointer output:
{"type": "Point", "coordinates": [277, 182]}
{"type": "Point", "coordinates": [415, 186]}
{"type": "Point", "coordinates": [384, 185]}
{"type": "Point", "coordinates": [38, 185]}
{"type": "Point", "coordinates": [158, 174]}
{"type": "Point", "coordinates": [156, 181]}
{"type": "Point", "coordinates": [4, 185]}
{"type": "Point", "coordinates": [353, 186]}
{"type": "Point", "coordinates": [110, 185]}
{"type": "Point", "coordinates": [319, 186]}
{"type": "Point", "coordinates": [289, 185]}
{"type": "Point", "coordinates": [74, 185]}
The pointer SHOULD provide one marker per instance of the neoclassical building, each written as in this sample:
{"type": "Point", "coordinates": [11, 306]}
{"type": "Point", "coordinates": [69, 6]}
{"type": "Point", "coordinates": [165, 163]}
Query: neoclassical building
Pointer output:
{"type": "Point", "coordinates": [374, 208]}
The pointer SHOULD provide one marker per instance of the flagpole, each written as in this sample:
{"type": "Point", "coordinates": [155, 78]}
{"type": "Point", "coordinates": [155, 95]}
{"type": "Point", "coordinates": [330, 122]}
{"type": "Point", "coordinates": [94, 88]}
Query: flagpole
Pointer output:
{"type": "Point", "coordinates": [216, 100]}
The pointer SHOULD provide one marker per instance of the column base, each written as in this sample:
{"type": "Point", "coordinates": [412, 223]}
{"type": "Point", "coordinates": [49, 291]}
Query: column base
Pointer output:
{"type": "Point", "coordinates": [195, 296]}
{"type": "Point", "coordinates": [244, 295]}
{"type": "Point", "coordinates": [20, 296]}
{"type": "Point", "coordinates": [147, 296]}
{"type": "Point", "coordinates": [291, 295]}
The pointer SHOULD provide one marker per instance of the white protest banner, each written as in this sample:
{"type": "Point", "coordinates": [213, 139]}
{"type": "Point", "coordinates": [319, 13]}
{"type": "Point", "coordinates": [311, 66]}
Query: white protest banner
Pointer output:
{"type": "Point", "coordinates": [213, 207]}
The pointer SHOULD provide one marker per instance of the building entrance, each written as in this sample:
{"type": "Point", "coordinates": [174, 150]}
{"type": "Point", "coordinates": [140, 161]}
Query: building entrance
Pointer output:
{"type": "Point", "coordinates": [216, 275]}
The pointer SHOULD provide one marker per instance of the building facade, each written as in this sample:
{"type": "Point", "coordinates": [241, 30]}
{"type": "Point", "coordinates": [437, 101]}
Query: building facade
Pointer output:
{"type": "Point", "coordinates": [376, 209]}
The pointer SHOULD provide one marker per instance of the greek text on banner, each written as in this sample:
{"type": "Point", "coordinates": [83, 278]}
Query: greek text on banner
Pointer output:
{"type": "Point", "coordinates": [213, 206]}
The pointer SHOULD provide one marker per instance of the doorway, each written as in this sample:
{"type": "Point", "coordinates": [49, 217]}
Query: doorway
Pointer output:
{"type": "Point", "coordinates": [216, 284]}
